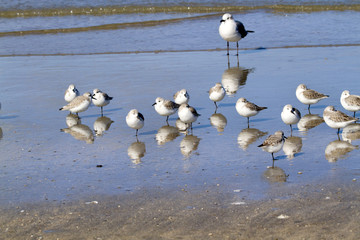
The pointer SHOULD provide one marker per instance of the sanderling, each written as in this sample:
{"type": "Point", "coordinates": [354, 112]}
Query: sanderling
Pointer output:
{"type": "Point", "coordinates": [247, 109]}
{"type": "Point", "coordinates": [79, 104]}
{"type": "Point", "coordinates": [187, 114]}
{"type": "Point", "coordinates": [350, 102]}
{"type": "Point", "coordinates": [135, 120]}
{"type": "Point", "coordinates": [71, 93]}
{"type": "Point", "coordinates": [181, 97]}
{"type": "Point", "coordinates": [232, 31]}
{"type": "Point", "coordinates": [308, 96]}
{"type": "Point", "coordinates": [100, 99]}
{"type": "Point", "coordinates": [165, 107]}
{"type": "Point", "coordinates": [337, 119]}
{"type": "Point", "coordinates": [273, 143]}
{"type": "Point", "coordinates": [217, 93]}
{"type": "Point", "coordinates": [290, 115]}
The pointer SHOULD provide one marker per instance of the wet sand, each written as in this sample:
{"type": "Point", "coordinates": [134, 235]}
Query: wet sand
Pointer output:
{"type": "Point", "coordinates": [311, 212]}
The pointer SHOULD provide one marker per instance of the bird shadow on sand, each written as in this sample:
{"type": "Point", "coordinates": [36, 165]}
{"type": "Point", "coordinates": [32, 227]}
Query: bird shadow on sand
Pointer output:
{"type": "Point", "coordinates": [9, 117]}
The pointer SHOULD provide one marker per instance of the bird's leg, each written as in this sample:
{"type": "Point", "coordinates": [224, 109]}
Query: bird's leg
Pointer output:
{"type": "Point", "coordinates": [227, 48]}
{"type": "Point", "coordinates": [237, 48]}
{"type": "Point", "coordinates": [338, 131]}
{"type": "Point", "coordinates": [273, 162]}
{"type": "Point", "coordinates": [215, 105]}
{"type": "Point", "coordinates": [248, 122]}
{"type": "Point", "coordinates": [136, 132]}
{"type": "Point", "coordinates": [167, 120]}
{"type": "Point", "coordinates": [291, 130]}
{"type": "Point", "coordinates": [354, 114]}
{"type": "Point", "coordinates": [102, 111]}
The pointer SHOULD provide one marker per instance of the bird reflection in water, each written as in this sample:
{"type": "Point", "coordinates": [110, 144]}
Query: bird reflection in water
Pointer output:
{"type": "Point", "coordinates": [218, 121]}
{"type": "Point", "coordinates": [233, 78]}
{"type": "Point", "coordinates": [275, 174]}
{"type": "Point", "coordinates": [72, 120]}
{"type": "Point", "coordinates": [136, 151]}
{"type": "Point", "coordinates": [1, 133]}
{"type": "Point", "coordinates": [80, 132]}
{"type": "Point", "coordinates": [338, 149]}
{"type": "Point", "coordinates": [101, 125]}
{"type": "Point", "coordinates": [309, 121]}
{"type": "Point", "coordinates": [351, 132]}
{"type": "Point", "coordinates": [292, 145]}
{"type": "Point", "coordinates": [166, 134]}
{"type": "Point", "coordinates": [189, 144]}
{"type": "Point", "coordinates": [248, 136]}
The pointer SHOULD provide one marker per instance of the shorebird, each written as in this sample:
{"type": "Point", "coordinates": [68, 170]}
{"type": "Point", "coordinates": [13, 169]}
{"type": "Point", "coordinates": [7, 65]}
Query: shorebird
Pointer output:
{"type": "Point", "coordinates": [232, 31]}
{"type": "Point", "coordinates": [181, 97]}
{"type": "Point", "coordinates": [290, 115]}
{"type": "Point", "coordinates": [217, 93]}
{"type": "Point", "coordinates": [71, 93]}
{"type": "Point", "coordinates": [100, 99]}
{"type": "Point", "coordinates": [308, 96]}
{"type": "Point", "coordinates": [135, 120]}
{"type": "Point", "coordinates": [273, 143]}
{"type": "Point", "coordinates": [247, 109]}
{"type": "Point", "coordinates": [165, 107]}
{"type": "Point", "coordinates": [337, 119]}
{"type": "Point", "coordinates": [187, 114]}
{"type": "Point", "coordinates": [350, 102]}
{"type": "Point", "coordinates": [79, 104]}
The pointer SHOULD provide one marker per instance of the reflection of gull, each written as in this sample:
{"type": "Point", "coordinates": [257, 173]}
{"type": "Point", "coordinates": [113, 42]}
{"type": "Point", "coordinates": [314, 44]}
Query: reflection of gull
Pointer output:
{"type": "Point", "coordinates": [275, 174]}
{"type": "Point", "coordinates": [351, 132]}
{"type": "Point", "coordinates": [136, 151]}
{"type": "Point", "coordinates": [309, 121]}
{"type": "Point", "coordinates": [72, 120]}
{"type": "Point", "coordinates": [291, 146]}
{"type": "Point", "coordinates": [101, 125]}
{"type": "Point", "coordinates": [249, 135]}
{"type": "Point", "coordinates": [80, 132]}
{"type": "Point", "coordinates": [189, 144]}
{"type": "Point", "coordinates": [233, 78]}
{"type": "Point", "coordinates": [218, 121]}
{"type": "Point", "coordinates": [166, 134]}
{"type": "Point", "coordinates": [338, 149]}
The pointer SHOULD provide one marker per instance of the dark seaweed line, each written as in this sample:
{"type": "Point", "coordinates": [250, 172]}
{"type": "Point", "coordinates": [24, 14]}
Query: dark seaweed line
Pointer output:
{"type": "Point", "coordinates": [176, 51]}
{"type": "Point", "coordinates": [113, 10]}
{"type": "Point", "coordinates": [104, 27]}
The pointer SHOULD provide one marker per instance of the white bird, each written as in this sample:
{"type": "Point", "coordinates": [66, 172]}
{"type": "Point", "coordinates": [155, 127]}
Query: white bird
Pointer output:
{"type": "Point", "coordinates": [247, 109]}
{"type": "Point", "coordinates": [165, 107]}
{"type": "Point", "coordinates": [350, 102]}
{"type": "Point", "coordinates": [71, 93]}
{"type": "Point", "coordinates": [232, 31]}
{"type": "Point", "coordinates": [217, 93]}
{"type": "Point", "coordinates": [337, 119]}
{"type": "Point", "coordinates": [79, 104]}
{"type": "Point", "coordinates": [273, 143]}
{"type": "Point", "coordinates": [100, 99]}
{"type": "Point", "coordinates": [290, 115]}
{"type": "Point", "coordinates": [181, 97]}
{"type": "Point", "coordinates": [135, 120]}
{"type": "Point", "coordinates": [187, 114]}
{"type": "Point", "coordinates": [308, 96]}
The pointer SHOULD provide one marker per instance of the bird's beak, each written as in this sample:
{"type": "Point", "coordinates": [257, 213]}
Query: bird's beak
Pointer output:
{"type": "Point", "coordinates": [153, 104]}
{"type": "Point", "coordinates": [74, 90]}
{"type": "Point", "coordinates": [92, 96]}
{"type": "Point", "coordinates": [285, 137]}
{"type": "Point", "coordinates": [222, 20]}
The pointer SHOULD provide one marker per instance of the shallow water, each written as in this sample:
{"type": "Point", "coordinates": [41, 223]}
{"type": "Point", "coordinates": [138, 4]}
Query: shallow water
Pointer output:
{"type": "Point", "coordinates": [39, 162]}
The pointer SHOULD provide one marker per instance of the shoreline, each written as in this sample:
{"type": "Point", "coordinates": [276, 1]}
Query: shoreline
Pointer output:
{"type": "Point", "coordinates": [323, 212]}
{"type": "Point", "coordinates": [180, 51]}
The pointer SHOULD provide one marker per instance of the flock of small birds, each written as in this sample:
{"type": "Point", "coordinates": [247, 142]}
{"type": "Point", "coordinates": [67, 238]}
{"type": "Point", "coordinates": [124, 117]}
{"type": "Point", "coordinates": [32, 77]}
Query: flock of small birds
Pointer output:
{"type": "Point", "coordinates": [231, 31]}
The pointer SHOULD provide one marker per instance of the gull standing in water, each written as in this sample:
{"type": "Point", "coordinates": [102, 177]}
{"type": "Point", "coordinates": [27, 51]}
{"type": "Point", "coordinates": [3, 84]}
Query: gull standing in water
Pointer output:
{"type": "Point", "coordinates": [273, 143]}
{"type": "Point", "coordinates": [181, 97]}
{"type": "Point", "coordinates": [337, 119]}
{"type": "Point", "coordinates": [216, 94]}
{"type": "Point", "coordinates": [135, 120]}
{"type": "Point", "coordinates": [308, 96]}
{"type": "Point", "coordinates": [350, 102]}
{"type": "Point", "coordinates": [165, 107]}
{"type": "Point", "coordinates": [290, 115]}
{"type": "Point", "coordinates": [232, 31]}
{"type": "Point", "coordinates": [79, 104]}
